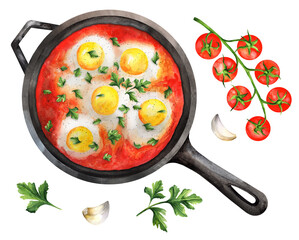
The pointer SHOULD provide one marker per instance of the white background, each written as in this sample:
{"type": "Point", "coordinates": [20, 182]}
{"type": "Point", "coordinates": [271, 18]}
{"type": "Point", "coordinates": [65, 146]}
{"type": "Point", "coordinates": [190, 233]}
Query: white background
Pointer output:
{"type": "Point", "coordinates": [271, 165]}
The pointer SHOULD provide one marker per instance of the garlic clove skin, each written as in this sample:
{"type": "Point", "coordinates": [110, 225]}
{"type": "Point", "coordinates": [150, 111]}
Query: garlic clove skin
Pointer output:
{"type": "Point", "coordinates": [220, 131]}
{"type": "Point", "coordinates": [98, 214]}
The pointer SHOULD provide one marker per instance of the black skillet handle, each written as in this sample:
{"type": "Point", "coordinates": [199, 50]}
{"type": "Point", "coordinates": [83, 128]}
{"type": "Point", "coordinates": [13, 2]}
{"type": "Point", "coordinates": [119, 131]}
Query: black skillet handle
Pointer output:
{"type": "Point", "coordinates": [221, 179]}
{"type": "Point", "coordinates": [16, 42]}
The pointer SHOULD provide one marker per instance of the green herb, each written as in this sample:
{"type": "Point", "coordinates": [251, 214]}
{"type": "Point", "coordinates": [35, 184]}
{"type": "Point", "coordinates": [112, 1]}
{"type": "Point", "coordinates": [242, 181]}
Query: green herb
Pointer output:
{"type": "Point", "coordinates": [137, 145]}
{"type": "Point", "coordinates": [140, 85]}
{"type": "Point", "coordinates": [127, 84]}
{"type": "Point", "coordinates": [61, 82]}
{"type": "Point", "coordinates": [148, 127]}
{"type": "Point", "coordinates": [113, 136]}
{"type": "Point", "coordinates": [75, 140]}
{"type": "Point", "coordinates": [136, 107]}
{"type": "Point", "coordinates": [63, 68]}
{"type": "Point", "coordinates": [152, 141]}
{"type": "Point", "coordinates": [93, 54]}
{"type": "Point", "coordinates": [49, 125]}
{"type": "Point", "coordinates": [29, 191]}
{"type": "Point", "coordinates": [124, 108]}
{"type": "Point", "coordinates": [73, 113]}
{"type": "Point", "coordinates": [167, 92]}
{"type": "Point", "coordinates": [132, 96]}
{"type": "Point", "coordinates": [97, 121]}
{"type": "Point", "coordinates": [88, 77]}
{"type": "Point", "coordinates": [103, 69]}
{"type": "Point", "coordinates": [77, 72]}
{"type": "Point", "coordinates": [155, 58]}
{"type": "Point", "coordinates": [47, 92]}
{"type": "Point", "coordinates": [161, 111]}
{"type": "Point", "coordinates": [107, 157]}
{"type": "Point", "coordinates": [116, 65]}
{"type": "Point", "coordinates": [115, 41]}
{"type": "Point", "coordinates": [94, 146]}
{"type": "Point", "coordinates": [115, 80]}
{"type": "Point", "coordinates": [100, 95]}
{"type": "Point", "coordinates": [177, 200]}
{"type": "Point", "coordinates": [121, 121]}
{"type": "Point", "coordinates": [61, 98]}
{"type": "Point", "coordinates": [77, 93]}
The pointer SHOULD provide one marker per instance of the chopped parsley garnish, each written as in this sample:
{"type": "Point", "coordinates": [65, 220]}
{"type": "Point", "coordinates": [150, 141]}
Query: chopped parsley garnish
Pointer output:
{"type": "Point", "coordinates": [49, 125]}
{"type": "Point", "coordinates": [132, 96]}
{"type": "Point", "coordinates": [113, 136]}
{"type": "Point", "coordinates": [75, 140]}
{"type": "Point", "coordinates": [121, 121]}
{"type": "Point", "coordinates": [155, 58]}
{"type": "Point", "coordinates": [94, 146]}
{"type": "Point", "coordinates": [148, 127]}
{"type": "Point", "coordinates": [93, 54]}
{"type": "Point", "coordinates": [61, 98]}
{"type": "Point", "coordinates": [47, 92]}
{"type": "Point", "coordinates": [167, 92]}
{"type": "Point", "coordinates": [137, 145]}
{"type": "Point", "coordinates": [152, 141]}
{"type": "Point", "coordinates": [116, 65]}
{"type": "Point", "coordinates": [88, 77]}
{"type": "Point", "coordinates": [140, 85]}
{"type": "Point", "coordinates": [77, 93]}
{"type": "Point", "coordinates": [103, 69]}
{"type": "Point", "coordinates": [161, 111]}
{"type": "Point", "coordinates": [63, 68]}
{"type": "Point", "coordinates": [107, 157]}
{"type": "Point", "coordinates": [115, 41]}
{"type": "Point", "coordinates": [77, 72]}
{"type": "Point", "coordinates": [73, 113]}
{"type": "Point", "coordinates": [127, 84]}
{"type": "Point", "coordinates": [100, 95]}
{"type": "Point", "coordinates": [115, 80]}
{"type": "Point", "coordinates": [136, 107]}
{"type": "Point", "coordinates": [97, 121]}
{"type": "Point", "coordinates": [61, 82]}
{"type": "Point", "coordinates": [124, 108]}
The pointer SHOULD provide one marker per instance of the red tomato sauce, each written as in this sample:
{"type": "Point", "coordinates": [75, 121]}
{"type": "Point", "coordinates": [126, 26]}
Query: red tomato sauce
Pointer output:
{"type": "Point", "coordinates": [124, 154]}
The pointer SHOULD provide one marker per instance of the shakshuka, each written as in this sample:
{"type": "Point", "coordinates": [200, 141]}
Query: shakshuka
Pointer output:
{"type": "Point", "coordinates": [109, 97]}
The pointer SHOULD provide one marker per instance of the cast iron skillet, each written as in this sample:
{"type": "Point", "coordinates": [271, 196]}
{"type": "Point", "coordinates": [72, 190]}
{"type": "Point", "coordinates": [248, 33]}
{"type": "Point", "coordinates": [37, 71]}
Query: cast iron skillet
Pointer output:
{"type": "Point", "coordinates": [178, 150]}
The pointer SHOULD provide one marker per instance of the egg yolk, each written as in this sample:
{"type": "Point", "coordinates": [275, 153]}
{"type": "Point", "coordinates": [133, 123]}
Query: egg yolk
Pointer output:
{"type": "Point", "coordinates": [133, 61]}
{"type": "Point", "coordinates": [90, 55]}
{"type": "Point", "coordinates": [152, 111]}
{"type": "Point", "coordinates": [104, 100]}
{"type": "Point", "coordinates": [79, 139]}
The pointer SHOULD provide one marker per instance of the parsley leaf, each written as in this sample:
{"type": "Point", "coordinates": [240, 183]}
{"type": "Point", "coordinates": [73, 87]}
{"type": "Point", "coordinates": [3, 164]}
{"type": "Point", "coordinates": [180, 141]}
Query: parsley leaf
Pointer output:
{"type": "Point", "coordinates": [29, 191]}
{"type": "Point", "coordinates": [140, 85]}
{"type": "Point", "coordinates": [97, 121]}
{"type": "Point", "coordinates": [47, 92]}
{"type": "Point", "coordinates": [93, 54]}
{"type": "Point", "coordinates": [121, 121]}
{"type": "Point", "coordinates": [107, 157]}
{"type": "Point", "coordinates": [167, 92]}
{"type": "Point", "coordinates": [49, 125]}
{"type": "Point", "coordinates": [115, 41]}
{"type": "Point", "coordinates": [75, 140]}
{"type": "Point", "coordinates": [161, 111]}
{"type": "Point", "coordinates": [124, 108]}
{"type": "Point", "coordinates": [115, 80]}
{"type": "Point", "coordinates": [137, 145]}
{"type": "Point", "coordinates": [152, 141]}
{"type": "Point", "coordinates": [100, 95]}
{"type": "Point", "coordinates": [61, 98]}
{"type": "Point", "coordinates": [116, 65]}
{"type": "Point", "coordinates": [63, 68]}
{"type": "Point", "coordinates": [127, 84]}
{"type": "Point", "coordinates": [155, 191]}
{"type": "Point", "coordinates": [61, 82]}
{"type": "Point", "coordinates": [77, 72]}
{"type": "Point", "coordinates": [113, 136]}
{"type": "Point", "coordinates": [136, 107]}
{"type": "Point", "coordinates": [148, 127]}
{"type": "Point", "coordinates": [158, 218]}
{"type": "Point", "coordinates": [155, 58]}
{"type": "Point", "coordinates": [132, 96]}
{"type": "Point", "coordinates": [77, 93]}
{"type": "Point", "coordinates": [88, 77]}
{"type": "Point", "coordinates": [103, 69]}
{"type": "Point", "coordinates": [94, 146]}
{"type": "Point", "coordinates": [73, 113]}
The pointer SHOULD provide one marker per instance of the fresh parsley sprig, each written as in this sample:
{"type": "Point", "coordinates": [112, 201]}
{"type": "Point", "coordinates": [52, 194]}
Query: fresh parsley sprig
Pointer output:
{"type": "Point", "coordinates": [116, 81]}
{"type": "Point", "coordinates": [178, 201]}
{"type": "Point", "coordinates": [113, 136]}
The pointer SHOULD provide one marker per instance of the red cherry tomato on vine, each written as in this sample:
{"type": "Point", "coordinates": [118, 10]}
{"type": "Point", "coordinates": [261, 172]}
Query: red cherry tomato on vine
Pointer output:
{"type": "Point", "coordinates": [257, 128]}
{"type": "Point", "coordinates": [249, 47]}
{"type": "Point", "coordinates": [280, 99]}
{"type": "Point", "coordinates": [270, 74]}
{"type": "Point", "coordinates": [208, 46]}
{"type": "Point", "coordinates": [225, 69]}
{"type": "Point", "coordinates": [238, 98]}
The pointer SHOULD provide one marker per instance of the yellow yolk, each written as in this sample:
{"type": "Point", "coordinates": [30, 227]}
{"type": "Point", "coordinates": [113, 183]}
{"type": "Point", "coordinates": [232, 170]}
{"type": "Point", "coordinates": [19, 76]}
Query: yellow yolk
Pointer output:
{"type": "Point", "coordinates": [79, 139]}
{"type": "Point", "coordinates": [90, 55]}
{"type": "Point", "coordinates": [152, 111]}
{"type": "Point", "coordinates": [104, 100]}
{"type": "Point", "coordinates": [133, 61]}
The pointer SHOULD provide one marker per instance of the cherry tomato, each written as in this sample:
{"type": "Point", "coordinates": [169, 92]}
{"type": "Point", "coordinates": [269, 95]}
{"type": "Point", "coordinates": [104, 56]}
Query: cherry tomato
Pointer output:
{"type": "Point", "coordinates": [238, 98]}
{"type": "Point", "coordinates": [208, 46]}
{"type": "Point", "coordinates": [270, 74]}
{"type": "Point", "coordinates": [225, 69]}
{"type": "Point", "coordinates": [281, 99]}
{"type": "Point", "coordinates": [257, 128]}
{"type": "Point", "coordinates": [249, 47]}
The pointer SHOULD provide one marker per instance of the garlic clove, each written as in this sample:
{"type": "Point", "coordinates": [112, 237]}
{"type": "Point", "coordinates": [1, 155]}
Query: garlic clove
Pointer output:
{"type": "Point", "coordinates": [98, 214]}
{"type": "Point", "coordinates": [220, 131]}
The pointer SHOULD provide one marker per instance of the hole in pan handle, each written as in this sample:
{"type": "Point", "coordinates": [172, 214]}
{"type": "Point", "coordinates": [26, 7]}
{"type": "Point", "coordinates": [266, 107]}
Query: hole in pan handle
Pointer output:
{"type": "Point", "coordinates": [224, 181]}
{"type": "Point", "coordinates": [16, 42]}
